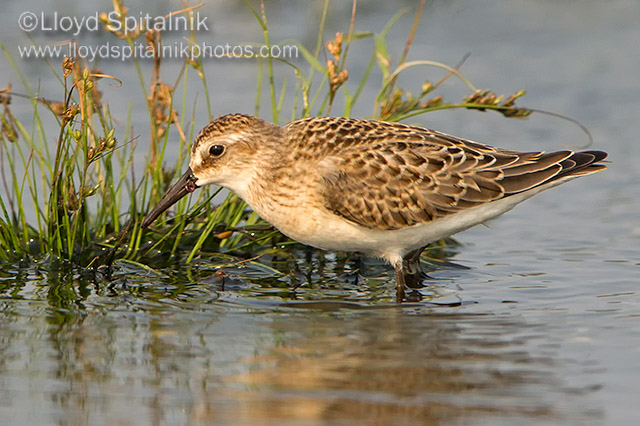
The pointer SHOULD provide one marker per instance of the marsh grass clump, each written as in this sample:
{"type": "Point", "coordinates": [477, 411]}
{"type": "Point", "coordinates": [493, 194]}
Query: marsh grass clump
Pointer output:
{"type": "Point", "coordinates": [81, 201]}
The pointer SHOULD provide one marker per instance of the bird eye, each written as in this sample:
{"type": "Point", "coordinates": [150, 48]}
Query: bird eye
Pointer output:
{"type": "Point", "coordinates": [216, 150]}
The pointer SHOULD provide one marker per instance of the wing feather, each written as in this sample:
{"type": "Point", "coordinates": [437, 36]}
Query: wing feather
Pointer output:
{"type": "Point", "coordinates": [390, 176]}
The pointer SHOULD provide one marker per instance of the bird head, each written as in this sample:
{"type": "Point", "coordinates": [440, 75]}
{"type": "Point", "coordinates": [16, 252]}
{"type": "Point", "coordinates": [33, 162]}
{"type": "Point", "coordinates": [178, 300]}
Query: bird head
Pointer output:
{"type": "Point", "coordinates": [225, 153]}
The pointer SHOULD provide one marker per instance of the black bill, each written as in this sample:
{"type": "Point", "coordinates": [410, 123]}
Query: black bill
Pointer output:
{"type": "Point", "coordinates": [185, 185]}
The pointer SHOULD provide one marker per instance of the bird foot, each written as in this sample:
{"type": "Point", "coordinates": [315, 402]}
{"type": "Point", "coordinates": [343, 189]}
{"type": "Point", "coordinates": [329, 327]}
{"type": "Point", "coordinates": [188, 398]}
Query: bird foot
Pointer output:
{"type": "Point", "coordinates": [409, 274]}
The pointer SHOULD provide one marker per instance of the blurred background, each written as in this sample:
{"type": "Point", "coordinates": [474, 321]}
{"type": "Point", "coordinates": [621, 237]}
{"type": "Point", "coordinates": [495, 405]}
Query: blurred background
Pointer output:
{"type": "Point", "coordinates": [545, 327]}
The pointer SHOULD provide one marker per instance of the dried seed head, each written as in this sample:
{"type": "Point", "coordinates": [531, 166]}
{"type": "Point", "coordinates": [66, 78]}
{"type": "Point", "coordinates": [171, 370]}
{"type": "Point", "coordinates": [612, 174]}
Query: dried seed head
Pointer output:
{"type": "Point", "coordinates": [433, 102]}
{"type": "Point", "coordinates": [102, 144]}
{"type": "Point", "coordinates": [336, 79]}
{"type": "Point", "coordinates": [67, 66]}
{"type": "Point", "coordinates": [71, 111]}
{"type": "Point", "coordinates": [153, 38]}
{"type": "Point", "coordinates": [8, 130]}
{"type": "Point", "coordinates": [335, 46]}
{"type": "Point", "coordinates": [331, 68]}
{"type": "Point", "coordinates": [511, 99]}
{"type": "Point", "coordinates": [427, 86]}
{"type": "Point", "coordinates": [5, 96]}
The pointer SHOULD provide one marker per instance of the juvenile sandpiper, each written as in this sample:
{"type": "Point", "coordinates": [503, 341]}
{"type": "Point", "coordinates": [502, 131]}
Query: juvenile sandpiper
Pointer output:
{"type": "Point", "coordinates": [385, 189]}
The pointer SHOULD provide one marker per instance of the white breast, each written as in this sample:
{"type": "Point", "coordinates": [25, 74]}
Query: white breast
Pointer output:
{"type": "Point", "coordinates": [307, 221]}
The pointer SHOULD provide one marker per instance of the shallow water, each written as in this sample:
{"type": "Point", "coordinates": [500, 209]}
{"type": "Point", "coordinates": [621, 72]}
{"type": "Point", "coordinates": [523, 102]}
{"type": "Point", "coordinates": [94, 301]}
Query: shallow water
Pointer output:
{"type": "Point", "coordinates": [540, 326]}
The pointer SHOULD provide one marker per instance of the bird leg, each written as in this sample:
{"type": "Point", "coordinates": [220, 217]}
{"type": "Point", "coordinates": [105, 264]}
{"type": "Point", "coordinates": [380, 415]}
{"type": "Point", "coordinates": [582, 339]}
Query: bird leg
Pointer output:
{"type": "Point", "coordinates": [412, 270]}
{"type": "Point", "coordinates": [399, 283]}
{"type": "Point", "coordinates": [408, 273]}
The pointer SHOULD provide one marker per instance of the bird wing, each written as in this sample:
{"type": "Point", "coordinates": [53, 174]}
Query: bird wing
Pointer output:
{"type": "Point", "coordinates": [390, 183]}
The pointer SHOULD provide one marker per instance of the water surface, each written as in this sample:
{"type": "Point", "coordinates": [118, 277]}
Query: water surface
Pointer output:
{"type": "Point", "coordinates": [539, 327]}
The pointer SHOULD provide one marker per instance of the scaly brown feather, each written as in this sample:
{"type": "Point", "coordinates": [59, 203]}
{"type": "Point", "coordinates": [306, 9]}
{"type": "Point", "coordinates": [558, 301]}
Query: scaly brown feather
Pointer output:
{"type": "Point", "coordinates": [389, 176]}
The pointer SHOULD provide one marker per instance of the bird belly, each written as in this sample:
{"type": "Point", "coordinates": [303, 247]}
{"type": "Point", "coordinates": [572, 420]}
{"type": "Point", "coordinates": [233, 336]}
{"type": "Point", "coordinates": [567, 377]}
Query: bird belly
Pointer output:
{"type": "Point", "coordinates": [318, 227]}
{"type": "Point", "coordinates": [326, 230]}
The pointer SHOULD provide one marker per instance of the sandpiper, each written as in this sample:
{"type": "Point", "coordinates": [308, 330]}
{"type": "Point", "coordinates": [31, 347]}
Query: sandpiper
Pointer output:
{"type": "Point", "coordinates": [386, 189]}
